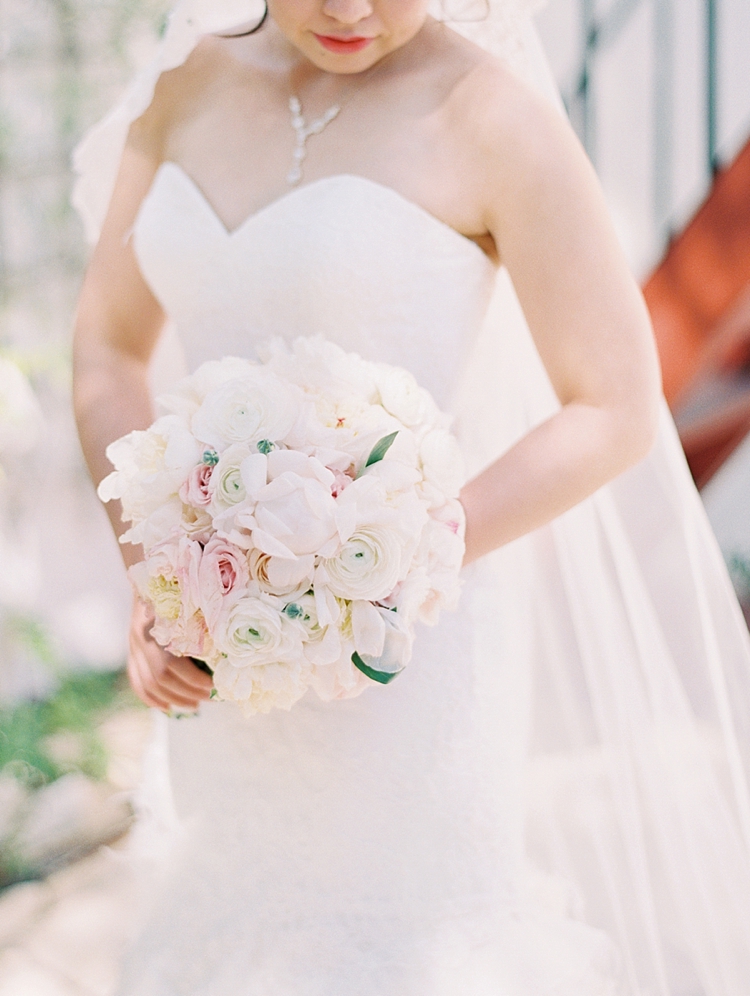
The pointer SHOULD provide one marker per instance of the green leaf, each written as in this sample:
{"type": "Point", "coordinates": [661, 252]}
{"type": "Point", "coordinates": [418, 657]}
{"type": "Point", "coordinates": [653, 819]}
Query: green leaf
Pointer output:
{"type": "Point", "coordinates": [384, 677]}
{"type": "Point", "coordinates": [201, 665]}
{"type": "Point", "coordinates": [380, 449]}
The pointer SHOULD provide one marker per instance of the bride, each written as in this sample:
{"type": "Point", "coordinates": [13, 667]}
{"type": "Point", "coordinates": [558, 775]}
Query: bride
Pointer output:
{"type": "Point", "coordinates": [553, 798]}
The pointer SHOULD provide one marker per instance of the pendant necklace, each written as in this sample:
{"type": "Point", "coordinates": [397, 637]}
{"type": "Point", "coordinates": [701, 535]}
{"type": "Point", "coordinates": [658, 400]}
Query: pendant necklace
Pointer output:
{"type": "Point", "coordinates": [303, 131]}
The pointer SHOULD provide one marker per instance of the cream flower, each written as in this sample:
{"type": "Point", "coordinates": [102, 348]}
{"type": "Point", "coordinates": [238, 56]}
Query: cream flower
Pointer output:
{"type": "Point", "coordinates": [261, 688]}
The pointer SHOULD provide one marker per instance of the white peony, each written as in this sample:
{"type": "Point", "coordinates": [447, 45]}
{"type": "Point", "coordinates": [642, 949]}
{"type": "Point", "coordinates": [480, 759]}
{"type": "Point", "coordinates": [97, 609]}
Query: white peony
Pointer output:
{"type": "Point", "coordinates": [296, 516]}
{"type": "Point", "coordinates": [321, 367]}
{"type": "Point", "coordinates": [150, 467]}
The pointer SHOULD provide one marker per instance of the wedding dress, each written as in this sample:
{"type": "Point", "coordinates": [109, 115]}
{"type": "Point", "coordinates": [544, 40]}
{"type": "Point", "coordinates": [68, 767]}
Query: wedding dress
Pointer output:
{"type": "Point", "coordinates": [552, 799]}
{"type": "Point", "coordinates": [373, 845]}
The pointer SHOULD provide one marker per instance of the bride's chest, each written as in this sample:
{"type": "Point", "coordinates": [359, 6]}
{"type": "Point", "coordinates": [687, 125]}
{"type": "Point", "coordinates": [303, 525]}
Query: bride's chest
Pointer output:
{"type": "Point", "coordinates": [343, 257]}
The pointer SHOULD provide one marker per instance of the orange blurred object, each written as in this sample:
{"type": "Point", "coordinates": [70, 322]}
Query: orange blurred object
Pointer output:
{"type": "Point", "coordinates": [699, 299]}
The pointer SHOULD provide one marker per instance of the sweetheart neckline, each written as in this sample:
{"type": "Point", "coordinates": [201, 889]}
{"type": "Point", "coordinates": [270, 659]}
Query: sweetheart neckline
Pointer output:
{"type": "Point", "coordinates": [288, 195]}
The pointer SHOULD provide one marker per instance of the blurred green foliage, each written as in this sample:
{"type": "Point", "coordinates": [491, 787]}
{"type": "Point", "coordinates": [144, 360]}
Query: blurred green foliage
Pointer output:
{"type": "Point", "coordinates": [77, 707]}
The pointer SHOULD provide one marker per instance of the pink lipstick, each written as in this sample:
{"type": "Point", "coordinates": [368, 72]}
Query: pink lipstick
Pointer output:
{"type": "Point", "coordinates": [335, 43]}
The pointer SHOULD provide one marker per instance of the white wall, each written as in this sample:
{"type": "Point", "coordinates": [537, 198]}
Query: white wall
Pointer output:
{"type": "Point", "coordinates": [623, 82]}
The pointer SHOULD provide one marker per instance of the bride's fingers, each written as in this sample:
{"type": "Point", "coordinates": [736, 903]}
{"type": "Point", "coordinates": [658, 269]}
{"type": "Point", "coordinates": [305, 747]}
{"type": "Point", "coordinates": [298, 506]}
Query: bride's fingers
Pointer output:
{"type": "Point", "coordinates": [140, 679]}
{"type": "Point", "coordinates": [148, 671]}
{"type": "Point", "coordinates": [171, 687]}
{"type": "Point", "coordinates": [160, 678]}
{"type": "Point", "coordinates": [194, 679]}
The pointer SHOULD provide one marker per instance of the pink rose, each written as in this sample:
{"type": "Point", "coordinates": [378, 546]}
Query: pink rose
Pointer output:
{"type": "Point", "coordinates": [195, 489]}
{"type": "Point", "coordinates": [223, 570]}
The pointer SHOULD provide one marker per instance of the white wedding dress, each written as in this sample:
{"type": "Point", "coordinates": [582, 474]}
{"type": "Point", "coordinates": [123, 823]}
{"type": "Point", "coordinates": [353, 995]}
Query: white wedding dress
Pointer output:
{"type": "Point", "coordinates": [370, 847]}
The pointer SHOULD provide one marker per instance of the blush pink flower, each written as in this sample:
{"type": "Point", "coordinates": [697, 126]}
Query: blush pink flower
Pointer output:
{"type": "Point", "coordinates": [195, 489]}
{"type": "Point", "coordinates": [223, 571]}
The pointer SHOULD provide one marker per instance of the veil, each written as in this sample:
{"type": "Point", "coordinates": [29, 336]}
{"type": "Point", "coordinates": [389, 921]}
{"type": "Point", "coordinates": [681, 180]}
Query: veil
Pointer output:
{"type": "Point", "coordinates": [623, 620]}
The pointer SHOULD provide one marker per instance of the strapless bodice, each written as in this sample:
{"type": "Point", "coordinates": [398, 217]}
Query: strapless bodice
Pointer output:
{"type": "Point", "coordinates": [343, 257]}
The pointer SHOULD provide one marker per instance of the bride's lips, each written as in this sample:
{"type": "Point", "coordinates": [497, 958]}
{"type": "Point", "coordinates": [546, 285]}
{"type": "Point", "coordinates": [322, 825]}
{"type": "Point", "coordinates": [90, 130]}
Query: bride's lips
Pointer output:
{"type": "Point", "coordinates": [335, 43]}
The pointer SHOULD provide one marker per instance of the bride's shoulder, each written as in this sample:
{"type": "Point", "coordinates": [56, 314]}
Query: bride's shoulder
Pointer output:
{"type": "Point", "coordinates": [182, 91]}
{"type": "Point", "coordinates": [511, 127]}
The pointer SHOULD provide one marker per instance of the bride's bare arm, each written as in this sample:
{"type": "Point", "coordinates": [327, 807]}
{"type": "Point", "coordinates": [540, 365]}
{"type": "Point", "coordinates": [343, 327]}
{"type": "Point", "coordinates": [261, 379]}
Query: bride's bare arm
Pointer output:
{"type": "Point", "coordinates": [546, 213]}
{"type": "Point", "coordinates": [118, 322]}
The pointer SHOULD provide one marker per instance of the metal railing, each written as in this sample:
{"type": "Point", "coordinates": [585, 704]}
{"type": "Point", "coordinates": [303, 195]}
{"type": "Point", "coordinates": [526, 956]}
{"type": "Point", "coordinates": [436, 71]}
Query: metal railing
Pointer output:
{"type": "Point", "coordinates": [599, 32]}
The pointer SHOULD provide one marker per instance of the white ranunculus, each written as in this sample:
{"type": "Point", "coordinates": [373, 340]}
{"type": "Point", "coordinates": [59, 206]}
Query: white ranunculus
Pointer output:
{"type": "Point", "coordinates": [253, 630]}
{"type": "Point", "coordinates": [442, 462]}
{"type": "Point", "coordinates": [227, 484]}
{"type": "Point", "coordinates": [186, 397]}
{"type": "Point", "coordinates": [256, 407]}
{"type": "Point", "coordinates": [385, 497]}
{"type": "Point", "coordinates": [368, 564]}
{"type": "Point", "coordinates": [401, 395]}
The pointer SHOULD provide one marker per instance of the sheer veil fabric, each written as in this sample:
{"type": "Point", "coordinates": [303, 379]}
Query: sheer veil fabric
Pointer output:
{"type": "Point", "coordinates": [638, 810]}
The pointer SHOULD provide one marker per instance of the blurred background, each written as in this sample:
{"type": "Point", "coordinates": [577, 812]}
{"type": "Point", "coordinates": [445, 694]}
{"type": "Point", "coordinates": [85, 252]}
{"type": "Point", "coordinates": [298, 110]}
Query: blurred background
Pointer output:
{"type": "Point", "coordinates": [659, 92]}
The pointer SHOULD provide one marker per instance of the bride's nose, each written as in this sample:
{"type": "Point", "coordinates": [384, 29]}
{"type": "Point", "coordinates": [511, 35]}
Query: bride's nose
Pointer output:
{"type": "Point", "coordinates": [348, 11]}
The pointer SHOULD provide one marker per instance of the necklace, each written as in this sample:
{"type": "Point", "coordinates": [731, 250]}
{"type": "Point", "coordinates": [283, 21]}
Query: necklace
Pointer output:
{"type": "Point", "coordinates": [303, 131]}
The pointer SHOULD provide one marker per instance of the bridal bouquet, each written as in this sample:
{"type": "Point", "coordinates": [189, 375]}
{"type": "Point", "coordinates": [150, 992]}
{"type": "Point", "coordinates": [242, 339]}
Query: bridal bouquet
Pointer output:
{"type": "Point", "coordinates": [298, 516]}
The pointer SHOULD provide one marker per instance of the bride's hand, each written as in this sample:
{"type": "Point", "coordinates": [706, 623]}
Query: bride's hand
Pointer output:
{"type": "Point", "coordinates": [158, 678]}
